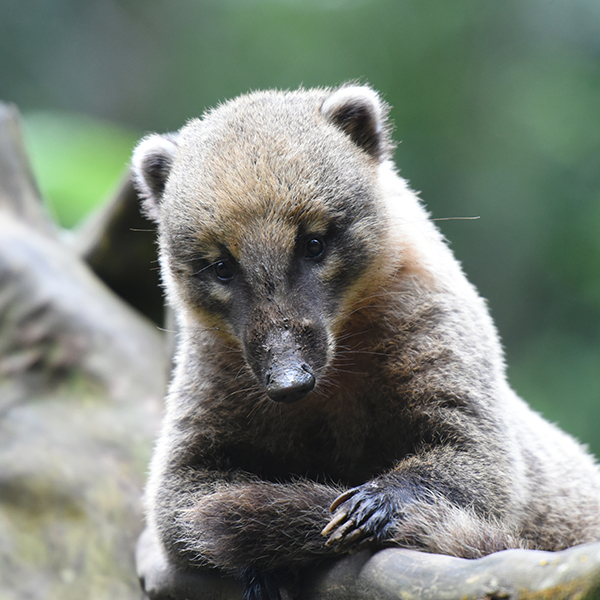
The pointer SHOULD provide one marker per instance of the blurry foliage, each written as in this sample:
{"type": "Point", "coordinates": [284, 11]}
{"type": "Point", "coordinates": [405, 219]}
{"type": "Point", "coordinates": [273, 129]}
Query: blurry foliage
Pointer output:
{"type": "Point", "coordinates": [78, 160]}
{"type": "Point", "coordinates": [496, 105]}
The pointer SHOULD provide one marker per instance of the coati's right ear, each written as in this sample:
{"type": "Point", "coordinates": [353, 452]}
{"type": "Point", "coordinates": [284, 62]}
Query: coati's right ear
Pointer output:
{"type": "Point", "coordinates": [151, 164]}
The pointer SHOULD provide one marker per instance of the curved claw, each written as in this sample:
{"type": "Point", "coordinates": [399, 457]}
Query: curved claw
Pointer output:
{"type": "Point", "coordinates": [361, 516]}
{"type": "Point", "coordinates": [342, 498]}
{"type": "Point", "coordinates": [355, 536]}
{"type": "Point", "coordinates": [340, 532]}
{"type": "Point", "coordinates": [345, 528]}
{"type": "Point", "coordinates": [337, 520]}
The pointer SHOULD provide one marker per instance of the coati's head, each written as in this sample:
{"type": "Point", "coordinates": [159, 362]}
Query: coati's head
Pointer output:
{"type": "Point", "coordinates": [270, 223]}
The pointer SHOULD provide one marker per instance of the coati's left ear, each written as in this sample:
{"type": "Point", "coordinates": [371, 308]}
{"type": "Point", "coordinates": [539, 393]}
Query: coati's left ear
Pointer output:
{"type": "Point", "coordinates": [360, 113]}
{"type": "Point", "coordinates": [151, 164]}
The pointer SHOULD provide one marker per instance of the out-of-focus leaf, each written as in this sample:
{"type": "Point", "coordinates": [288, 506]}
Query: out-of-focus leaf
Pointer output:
{"type": "Point", "coordinates": [77, 160]}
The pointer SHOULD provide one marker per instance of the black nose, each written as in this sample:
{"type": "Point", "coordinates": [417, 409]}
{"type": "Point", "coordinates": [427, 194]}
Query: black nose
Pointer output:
{"type": "Point", "coordinates": [289, 383]}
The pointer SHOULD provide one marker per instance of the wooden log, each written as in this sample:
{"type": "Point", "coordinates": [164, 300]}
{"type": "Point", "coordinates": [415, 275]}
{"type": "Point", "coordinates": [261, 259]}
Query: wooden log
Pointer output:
{"type": "Point", "coordinates": [398, 574]}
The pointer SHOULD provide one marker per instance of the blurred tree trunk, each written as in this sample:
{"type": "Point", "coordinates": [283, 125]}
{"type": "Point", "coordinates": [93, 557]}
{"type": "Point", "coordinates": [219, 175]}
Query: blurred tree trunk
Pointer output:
{"type": "Point", "coordinates": [82, 375]}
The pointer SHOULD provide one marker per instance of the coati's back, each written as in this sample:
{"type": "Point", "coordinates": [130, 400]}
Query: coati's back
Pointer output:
{"type": "Point", "coordinates": [332, 354]}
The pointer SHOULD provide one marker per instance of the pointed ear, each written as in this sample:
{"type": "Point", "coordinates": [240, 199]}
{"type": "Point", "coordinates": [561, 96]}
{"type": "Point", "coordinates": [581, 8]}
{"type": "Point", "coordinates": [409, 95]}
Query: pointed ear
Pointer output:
{"type": "Point", "coordinates": [360, 113]}
{"type": "Point", "coordinates": [151, 164]}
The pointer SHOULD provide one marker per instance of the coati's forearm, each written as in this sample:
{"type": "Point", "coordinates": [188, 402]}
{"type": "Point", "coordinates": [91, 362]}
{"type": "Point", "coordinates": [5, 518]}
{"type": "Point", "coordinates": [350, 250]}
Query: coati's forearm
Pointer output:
{"type": "Point", "coordinates": [435, 501]}
{"type": "Point", "coordinates": [245, 523]}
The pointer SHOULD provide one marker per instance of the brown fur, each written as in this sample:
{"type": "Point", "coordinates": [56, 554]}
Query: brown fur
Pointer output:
{"type": "Point", "coordinates": [411, 431]}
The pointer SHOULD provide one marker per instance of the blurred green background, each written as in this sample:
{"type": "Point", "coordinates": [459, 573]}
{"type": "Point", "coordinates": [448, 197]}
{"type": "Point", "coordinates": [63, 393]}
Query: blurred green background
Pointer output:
{"type": "Point", "coordinates": [496, 105]}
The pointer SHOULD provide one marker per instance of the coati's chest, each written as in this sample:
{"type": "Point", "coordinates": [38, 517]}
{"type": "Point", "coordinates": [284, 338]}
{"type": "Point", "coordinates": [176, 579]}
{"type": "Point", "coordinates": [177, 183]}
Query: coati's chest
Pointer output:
{"type": "Point", "coordinates": [342, 437]}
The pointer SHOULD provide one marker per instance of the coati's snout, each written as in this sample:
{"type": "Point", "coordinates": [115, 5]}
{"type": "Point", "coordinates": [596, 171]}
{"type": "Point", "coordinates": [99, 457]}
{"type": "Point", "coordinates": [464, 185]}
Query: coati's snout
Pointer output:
{"type": "Point", "coordinates": [288, 379]}
{"type": "Point", "coordinates": [286, 359]}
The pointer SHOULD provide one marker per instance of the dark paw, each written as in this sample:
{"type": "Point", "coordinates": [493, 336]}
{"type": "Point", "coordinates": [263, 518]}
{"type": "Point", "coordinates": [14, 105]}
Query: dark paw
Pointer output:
{"type": "Point", "coordinates": [363, 516]}
{"type": "Point", "coordinates": [259, 585]}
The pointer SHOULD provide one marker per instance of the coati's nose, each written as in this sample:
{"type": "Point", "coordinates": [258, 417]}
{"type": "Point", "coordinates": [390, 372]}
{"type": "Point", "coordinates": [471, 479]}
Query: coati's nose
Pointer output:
{"type": "Point", "coordinates": [289, 383]}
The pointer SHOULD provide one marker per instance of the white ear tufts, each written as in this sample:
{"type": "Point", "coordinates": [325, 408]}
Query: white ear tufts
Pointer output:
{"type": "Point", "coordinates": [357, 95]}
{"type": "Point", "coordinates": [151, 163]}
{"type": "Point", "coordinates": [359, 112]}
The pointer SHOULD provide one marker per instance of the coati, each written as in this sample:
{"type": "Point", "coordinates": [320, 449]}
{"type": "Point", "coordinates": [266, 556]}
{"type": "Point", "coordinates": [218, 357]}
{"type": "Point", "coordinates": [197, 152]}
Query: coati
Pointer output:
{"type": "Point", "coordinates": [338, 382]}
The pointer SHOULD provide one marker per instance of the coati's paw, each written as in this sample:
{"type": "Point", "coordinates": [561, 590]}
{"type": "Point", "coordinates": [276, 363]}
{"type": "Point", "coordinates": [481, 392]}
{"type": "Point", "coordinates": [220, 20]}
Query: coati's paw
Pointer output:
{"type": "Point", "coordinates": [362, 516]}
{"type": "Point", "coordinates": [259, 585]}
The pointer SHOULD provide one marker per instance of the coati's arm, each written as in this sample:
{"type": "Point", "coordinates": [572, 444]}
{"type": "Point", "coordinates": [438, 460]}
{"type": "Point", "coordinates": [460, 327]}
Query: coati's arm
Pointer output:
{"type": "Point", "coordinates": [417, 505]}
{"type": "Point", "coordinates": [207, 516]}
{"type": "Point", "coordinates": [449, 494]}
{"type": "Point", "coordinates": [242, 522]}
{"type": "Point", "coordinates": [259, 532]}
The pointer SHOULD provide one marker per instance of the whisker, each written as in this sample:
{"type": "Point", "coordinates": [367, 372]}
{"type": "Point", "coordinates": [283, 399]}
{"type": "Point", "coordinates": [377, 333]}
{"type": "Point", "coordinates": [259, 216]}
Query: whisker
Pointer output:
{"type": "Point", "coordinates": [265, 404]}
{"type": "Point", "coordinates": [166, 330]}
{"type": "Point", "coordinates": [338, 370]}
{"type": "Point", "coordinates": [205, 268]}
{"type": "Point", "coordinates": [242, 391]}
{"type": "Point", "coordinates": [358, 351]}
{"type": "Point", "coordinates": [351, 334]}
{"type": "Point", "coordinates": [362, 308]}
{"type": "Point", "coordinates": [456, 218]}
{"type": "Point", "coordinates": [242, 369]}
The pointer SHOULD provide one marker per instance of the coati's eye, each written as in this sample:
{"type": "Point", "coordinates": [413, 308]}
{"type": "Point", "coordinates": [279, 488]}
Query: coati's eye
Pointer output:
{"type": "Point", "coordinates": [223, 271]}
{"type": "Point", "coordinates": [314, 248]}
